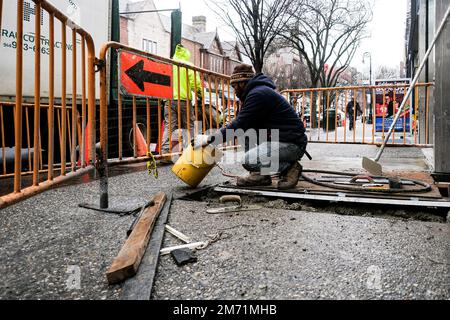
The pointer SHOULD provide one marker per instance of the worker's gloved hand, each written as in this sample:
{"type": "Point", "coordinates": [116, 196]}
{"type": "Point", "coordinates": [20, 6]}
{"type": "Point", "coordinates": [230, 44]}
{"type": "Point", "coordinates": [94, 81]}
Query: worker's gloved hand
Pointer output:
{"type": "Point", "coordinates": [202, 141]}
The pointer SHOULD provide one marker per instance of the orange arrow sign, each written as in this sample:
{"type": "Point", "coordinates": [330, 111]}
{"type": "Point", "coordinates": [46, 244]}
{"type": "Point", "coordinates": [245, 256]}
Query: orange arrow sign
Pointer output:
{"type": "Point", "coordinates": [141, 76]}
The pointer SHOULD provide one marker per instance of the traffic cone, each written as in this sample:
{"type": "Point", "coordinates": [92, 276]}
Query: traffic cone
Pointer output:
{"type": "Point", "coordinates": [141, 144]}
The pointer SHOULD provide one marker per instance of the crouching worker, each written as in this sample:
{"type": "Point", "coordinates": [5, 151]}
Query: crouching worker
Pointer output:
{"type": "Point", "coordinates": [281, 140]}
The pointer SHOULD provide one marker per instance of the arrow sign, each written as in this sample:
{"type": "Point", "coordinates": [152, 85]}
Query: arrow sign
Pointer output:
{"type": "Point", "coordinates": [141, 76]}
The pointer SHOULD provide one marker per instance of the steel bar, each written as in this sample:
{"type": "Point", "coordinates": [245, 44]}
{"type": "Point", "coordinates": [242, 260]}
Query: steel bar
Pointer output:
{"type": "Point", "coordinates": [338, 198]}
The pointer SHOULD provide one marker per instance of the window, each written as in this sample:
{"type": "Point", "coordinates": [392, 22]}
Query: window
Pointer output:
{"type": "Point", "coordinates": [149, 46]}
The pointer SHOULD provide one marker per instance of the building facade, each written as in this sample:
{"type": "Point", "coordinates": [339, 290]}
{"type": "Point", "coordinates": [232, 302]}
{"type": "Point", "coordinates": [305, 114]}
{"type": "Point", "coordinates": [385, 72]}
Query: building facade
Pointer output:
{"type": "Point", "coordinates": [420, 28]}
{"type": "Point", "coordinates": [424, 17]}
{"type": "Point", "coordinates": [151, 32]}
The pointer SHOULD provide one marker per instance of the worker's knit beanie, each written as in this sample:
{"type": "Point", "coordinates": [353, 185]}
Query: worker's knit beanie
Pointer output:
{"type": "Point", "coordinates": [242, 73]}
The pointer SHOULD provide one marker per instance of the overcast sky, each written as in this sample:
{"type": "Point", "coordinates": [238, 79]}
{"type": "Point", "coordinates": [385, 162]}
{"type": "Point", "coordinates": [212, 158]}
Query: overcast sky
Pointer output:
{"type": "Point", "coordinates": [386, 44]}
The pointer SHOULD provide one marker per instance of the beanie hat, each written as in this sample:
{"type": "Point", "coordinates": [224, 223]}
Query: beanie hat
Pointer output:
{"type": "Point", "coordinates": [242, 73]}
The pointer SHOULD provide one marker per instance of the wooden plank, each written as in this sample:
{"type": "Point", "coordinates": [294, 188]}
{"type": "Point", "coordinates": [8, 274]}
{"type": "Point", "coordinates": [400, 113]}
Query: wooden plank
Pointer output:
{"type": "Point", "coordinates": [127, 262]}
{"type": "Point", "coordinates": [140, 286]}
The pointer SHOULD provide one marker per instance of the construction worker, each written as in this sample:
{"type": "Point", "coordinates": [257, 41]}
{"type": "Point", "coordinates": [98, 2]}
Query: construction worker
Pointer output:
{"type": "Point", "coordinates": [182, 92]}
{"type": "Point", "coordinates": [265, 109]}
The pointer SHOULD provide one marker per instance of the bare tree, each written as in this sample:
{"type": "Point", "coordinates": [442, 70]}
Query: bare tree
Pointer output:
{"type": "Point", "coordinates": [256, 23]}
{"type": "Point", "coordinates": [327, 34]}
{"type": "Point", "coordinates": [385, 72]}
{"type": "Point", "coordinates": [286, 68]}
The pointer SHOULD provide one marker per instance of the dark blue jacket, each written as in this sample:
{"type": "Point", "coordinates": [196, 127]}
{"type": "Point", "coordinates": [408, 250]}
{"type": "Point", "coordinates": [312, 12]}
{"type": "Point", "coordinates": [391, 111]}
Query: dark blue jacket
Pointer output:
{"type": "Point", "coordinates": [264, 108]}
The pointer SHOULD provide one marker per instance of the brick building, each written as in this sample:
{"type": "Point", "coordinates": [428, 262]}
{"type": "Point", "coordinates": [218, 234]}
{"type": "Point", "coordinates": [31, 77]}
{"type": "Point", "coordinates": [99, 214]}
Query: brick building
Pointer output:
{"type": "Point", "coordinates": [151, 32]}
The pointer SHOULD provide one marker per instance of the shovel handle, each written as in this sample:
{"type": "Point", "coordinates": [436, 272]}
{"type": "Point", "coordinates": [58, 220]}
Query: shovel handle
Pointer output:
{"type": "Point", "coordinates": [413, 83]}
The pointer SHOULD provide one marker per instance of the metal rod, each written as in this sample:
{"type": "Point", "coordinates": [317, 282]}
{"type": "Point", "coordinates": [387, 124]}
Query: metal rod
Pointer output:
{"type": "Point", "coordinates": [30, 167]}
{"type": "Point", "coordinates": [51, 97]}
{"type": "Point", "coordinates": [202, 79]}
{"type": "Point", "coordinates": [188, 106]}
{"type": "Point", "coordinates": [180, 138]}
{"type": "Point", "coordinates": [19, 98]}
{"type": "Point", "coordinates": [63, 97]}
{"type": "Point", "coordinates": [74, 100]}
{"type": "Point", "coordinates": [83, 102]}
{"type": "Point", "coordinates": [149, 132]}
{"type": "Point", "coordinates": [415, 80]}
{"type": "Point", "coordinates": [134, 128]}
{"type": "Point", "coordinates": [210, 103]}
{"type": "Point", "coordinates": [216, 85]}
{"type": "Point", "coordinates": [3, 139]}
{"type": "Point", "coordinates": [195, 104]}
{"type": "Point", "coordinates": [120, 128]}
{"type": "Point", "coordinates": [37, 94]}
{"type": "Point", "coordinates": [160, 123]}
{"type": "Point", "coordinates": [169, 121]}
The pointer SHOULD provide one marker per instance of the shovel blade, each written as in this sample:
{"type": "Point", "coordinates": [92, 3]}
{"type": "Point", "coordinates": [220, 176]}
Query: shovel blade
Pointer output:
{"type": "Point", "coordinates": [373, 167]}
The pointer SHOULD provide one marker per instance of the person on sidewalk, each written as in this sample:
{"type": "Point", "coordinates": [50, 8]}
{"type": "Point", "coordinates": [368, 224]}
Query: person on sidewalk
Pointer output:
{"type": "Point", "coordinates": [182, 93]}
{"type": "Point", "coordinates": [351, 113]}
{"type": "Point", "coordinates": [263, 108]}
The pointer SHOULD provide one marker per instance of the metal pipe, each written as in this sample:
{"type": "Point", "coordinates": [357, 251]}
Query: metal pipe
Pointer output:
{"type": "Point", "coordinates": [37, 94]}
{"type": "Point", "coordinates": [19, 98]}
{"type": "Point", "coordinates": [74, 100]}
{"type": "Point", "coordinates": [159, 124]}
{"type": "Point", "coordinates": [120, 127]}
{"type": "Point", "coordinates": [51, 97]}
{"type": "Point", "coordinates": [415, 80]}
{"type": "Point", "coordinates": [202, 79]}
{"type": "Point", "coordinates": [134, 128]}
{"type": "Point", "coordinates": [180, 138]}
{"type": "Point", "coordinates": [83, 102]}
{"type": "Point", "coordinates": [169, 121]}
{"type": "Point", "coordinates": [210, 103]}
{"type": "Point", "coordinates": [3, 139]}
{"type": "Point", "coordinates": [188, 106]}
{"type": "Point", "coordinates": [195, 105]}
{"type": "Point", "coordinates": [63, 97]}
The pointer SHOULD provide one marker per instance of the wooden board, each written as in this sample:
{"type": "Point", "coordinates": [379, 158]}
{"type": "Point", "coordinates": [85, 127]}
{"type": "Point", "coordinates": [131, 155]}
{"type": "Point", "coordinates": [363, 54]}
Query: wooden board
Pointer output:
{"type": "Point", "coordinates": [127, 262]}
{"type": "Point", "coordinates": [140, 286]}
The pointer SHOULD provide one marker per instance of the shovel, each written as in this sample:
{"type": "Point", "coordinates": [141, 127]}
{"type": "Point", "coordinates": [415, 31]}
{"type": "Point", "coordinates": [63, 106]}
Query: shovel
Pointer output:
{"type": "Point", "coordinates": [372, 165]}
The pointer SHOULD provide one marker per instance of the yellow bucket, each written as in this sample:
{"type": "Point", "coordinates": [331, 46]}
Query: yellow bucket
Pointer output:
{"type": "Point", "coordinates": [195, 164]}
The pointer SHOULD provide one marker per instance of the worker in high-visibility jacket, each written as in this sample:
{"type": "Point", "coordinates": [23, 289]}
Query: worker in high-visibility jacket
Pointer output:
{"type": "Point", "coordinates": [183, 95]}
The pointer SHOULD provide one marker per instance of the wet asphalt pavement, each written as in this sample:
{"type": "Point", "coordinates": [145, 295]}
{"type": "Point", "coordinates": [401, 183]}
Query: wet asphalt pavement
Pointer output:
{"type": "Point", "coordinates": [282, 251]}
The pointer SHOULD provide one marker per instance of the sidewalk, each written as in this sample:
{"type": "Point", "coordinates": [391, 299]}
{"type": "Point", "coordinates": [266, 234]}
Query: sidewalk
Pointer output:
{"type": "Point", "coordinates": [275, 253]}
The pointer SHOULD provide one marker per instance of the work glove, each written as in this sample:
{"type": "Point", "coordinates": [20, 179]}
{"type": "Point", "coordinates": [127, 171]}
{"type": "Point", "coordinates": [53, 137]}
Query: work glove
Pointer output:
{"type": "Point", "coordinates": [202, 141]}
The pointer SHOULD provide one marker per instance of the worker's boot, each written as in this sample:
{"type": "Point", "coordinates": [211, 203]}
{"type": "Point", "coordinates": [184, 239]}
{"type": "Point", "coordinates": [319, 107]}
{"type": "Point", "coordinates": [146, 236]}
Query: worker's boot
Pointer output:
{"type": "Point", "coordinates": [290, 179]}
{"type": "Point", "coordinates": [254, 180]}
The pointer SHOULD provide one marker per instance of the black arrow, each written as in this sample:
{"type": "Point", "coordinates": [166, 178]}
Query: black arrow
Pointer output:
{"type": "Point", "coordinates": [141, 76]}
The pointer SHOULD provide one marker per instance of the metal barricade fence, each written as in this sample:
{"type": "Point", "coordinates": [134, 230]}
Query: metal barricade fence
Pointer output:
{"type": "Point", "coordinates": [331, 116]}
{"type": "Point", "coordinates": [210, 106]}
{"type": "Point", "coordinates": [28, 143]}
{"type": "Point", "coordinates": [30, 147]}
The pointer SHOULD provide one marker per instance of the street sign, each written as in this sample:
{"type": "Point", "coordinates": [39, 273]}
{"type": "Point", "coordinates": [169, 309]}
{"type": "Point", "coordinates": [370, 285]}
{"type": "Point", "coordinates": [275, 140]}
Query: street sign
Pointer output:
{"type": "Point", "coordinates": [141, 76]}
